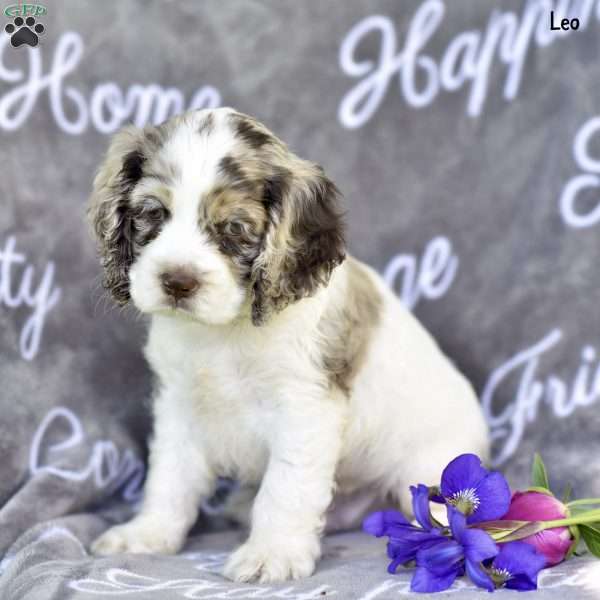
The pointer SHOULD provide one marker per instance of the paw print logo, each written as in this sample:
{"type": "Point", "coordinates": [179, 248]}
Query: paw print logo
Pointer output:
{"type": "Point", "coordinates": [24, 31]}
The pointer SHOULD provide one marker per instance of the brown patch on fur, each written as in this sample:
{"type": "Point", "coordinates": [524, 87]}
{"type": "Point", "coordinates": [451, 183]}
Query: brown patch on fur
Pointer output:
{"type": "Point", "coordinates": [347, 332]}
{"type": "Point", "coordinates": [224, 204]}
{"type": "Point", "coordinates": [109, 208]}
{"type": "Point", "coordinates": [276, 216]}
{"type": "Point", "coordinates": [234, 176]}
{"type": "Point", "coordinates": [148, 218]}
{"type": "Point", "coordinates": [236, 222]}
{"type": "Point", "coordinates": [253, 133]}
{"type": "Point", "coordinates": [305, 239]}
{"type": "Point", "coordinates": [304, 236]}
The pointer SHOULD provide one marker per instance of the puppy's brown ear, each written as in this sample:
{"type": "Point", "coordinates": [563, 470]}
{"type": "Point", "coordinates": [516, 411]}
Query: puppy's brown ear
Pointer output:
{"type": "Point", "coordinates": [304, 240]}
{"type": "Point", "coordinates": [108, 209]}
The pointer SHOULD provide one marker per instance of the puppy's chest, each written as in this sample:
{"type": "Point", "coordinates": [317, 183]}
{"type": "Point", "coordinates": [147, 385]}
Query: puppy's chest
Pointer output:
{"type": "Point", "coordinates": [233, 390]}
{"type": "Point", "coordinates": [235, 416]}
{"type": "Point", "coordinates": [232, 394]}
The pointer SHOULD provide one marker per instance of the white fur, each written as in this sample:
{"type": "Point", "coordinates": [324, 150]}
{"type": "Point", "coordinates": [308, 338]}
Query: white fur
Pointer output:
{"type": "Point", "coordinates": [250, 402]}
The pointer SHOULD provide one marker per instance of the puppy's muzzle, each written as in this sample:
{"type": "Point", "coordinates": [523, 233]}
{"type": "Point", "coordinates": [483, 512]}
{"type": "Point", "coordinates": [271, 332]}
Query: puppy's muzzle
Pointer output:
{"type": "Point", "coordinates": [179, 284]}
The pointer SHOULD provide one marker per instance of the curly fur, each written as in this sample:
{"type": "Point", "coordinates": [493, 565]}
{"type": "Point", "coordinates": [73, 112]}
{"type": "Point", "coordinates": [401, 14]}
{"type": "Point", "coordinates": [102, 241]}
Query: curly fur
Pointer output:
{"type": "Point", "coordinates": [287, 367]}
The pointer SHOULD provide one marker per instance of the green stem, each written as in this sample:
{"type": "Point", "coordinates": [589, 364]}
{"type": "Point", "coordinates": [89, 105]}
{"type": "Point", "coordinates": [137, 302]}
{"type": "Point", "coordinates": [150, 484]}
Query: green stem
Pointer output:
{"type": "Point", "coordinates": [592, 516]}
{"type": "Point", "coordinates": [584, 502]}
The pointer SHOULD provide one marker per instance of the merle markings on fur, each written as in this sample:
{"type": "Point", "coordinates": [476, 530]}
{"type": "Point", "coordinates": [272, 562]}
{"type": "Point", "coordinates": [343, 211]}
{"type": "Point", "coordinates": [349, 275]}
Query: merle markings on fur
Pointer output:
{"type": "Point", "coordinates": [280, 361]}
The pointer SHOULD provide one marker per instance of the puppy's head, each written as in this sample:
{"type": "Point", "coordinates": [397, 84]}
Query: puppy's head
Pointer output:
{"type": "Point", "coordinates": [211, 216]}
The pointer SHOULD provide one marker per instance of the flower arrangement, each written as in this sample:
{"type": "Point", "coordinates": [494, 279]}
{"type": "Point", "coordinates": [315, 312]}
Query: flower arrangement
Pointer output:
{"type": "Point", "coordinates": [496, 538]}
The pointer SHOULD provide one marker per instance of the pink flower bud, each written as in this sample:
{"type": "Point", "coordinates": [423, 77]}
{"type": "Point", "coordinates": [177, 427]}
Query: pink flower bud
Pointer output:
{"type": "Point", "coordinates": [535, 506]}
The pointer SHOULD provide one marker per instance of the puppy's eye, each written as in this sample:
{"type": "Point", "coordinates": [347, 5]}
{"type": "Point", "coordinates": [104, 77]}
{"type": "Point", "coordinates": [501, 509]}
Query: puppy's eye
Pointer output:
{"type": "Point", "coordinates": [156, 214]}
{"type": "Point", "coordinates": [234, 228]}
{"type": "Point", "coordinates": [153, 210]}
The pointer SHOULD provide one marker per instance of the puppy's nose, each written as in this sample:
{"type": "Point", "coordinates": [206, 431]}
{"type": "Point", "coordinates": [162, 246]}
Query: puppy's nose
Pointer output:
{"type": "Point", "coordinates": [179, 284]}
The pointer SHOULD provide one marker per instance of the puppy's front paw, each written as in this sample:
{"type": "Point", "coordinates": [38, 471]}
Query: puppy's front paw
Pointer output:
{"type": "Point", "coordinates": [138, 537]}
{"type": "Point", "coordinates": [269, 562]}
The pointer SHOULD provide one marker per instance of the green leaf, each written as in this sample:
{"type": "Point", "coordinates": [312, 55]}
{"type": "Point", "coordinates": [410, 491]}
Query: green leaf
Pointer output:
{"type": "Point", "coordinates": [567, 493]}
{"type": "Point", "coordinates": [576, 535]}
{"type": "Point", "coordinates": [539, 475]}
{"type": "Point", "coordinates": [539, 490]}
{"type": "Point", "coordinates": [499, 525]}
{"type": "Point", "coordinates": [498, 530]}
{"type": "Point", "coordinates": [583, 502]}
{"type": "Point", "coordinates": [581, 510]}
{"type": "Point", "coordinates": [591, 536]}
{"type": "Point", "coordinates": [594, 526]}
{"type": "Point", "coordinates": [530, 528]}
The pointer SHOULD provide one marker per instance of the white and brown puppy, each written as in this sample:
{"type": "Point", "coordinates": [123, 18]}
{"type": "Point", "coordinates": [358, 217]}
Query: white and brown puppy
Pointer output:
{"type": "Point", "coordinates": [278, 362]}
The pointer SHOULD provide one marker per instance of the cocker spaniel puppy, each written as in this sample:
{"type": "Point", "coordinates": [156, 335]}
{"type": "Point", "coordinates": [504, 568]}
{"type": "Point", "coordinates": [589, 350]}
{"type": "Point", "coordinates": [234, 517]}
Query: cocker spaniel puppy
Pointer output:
{"type": "Point", "coordinates": [279, 360]}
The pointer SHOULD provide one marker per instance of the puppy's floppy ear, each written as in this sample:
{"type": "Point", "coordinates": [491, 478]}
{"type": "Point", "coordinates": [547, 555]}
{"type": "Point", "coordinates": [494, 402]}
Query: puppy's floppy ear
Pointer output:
{"type": "Point", "coordinates": [304, 240]}
{"type": "Point", "coordinates": [108, 209]}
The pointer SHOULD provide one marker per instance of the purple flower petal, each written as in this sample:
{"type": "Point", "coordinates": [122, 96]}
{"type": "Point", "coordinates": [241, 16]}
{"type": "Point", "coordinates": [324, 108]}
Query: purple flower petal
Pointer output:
{"type": "Point", "coordinates": [476, 492]}
{"type": "Point", "coordinates": [393, 566]}
{"type": "Point", "coordinates": [438, 498]}
{"type": "Point", "coordinates": [420, 505]}
{"type": "Point", "coordinates": [403, 552]}
{"type": "Point", "coordinates": [414, 535]}
{"type": "Point", "coordinates": [521, 562]}
{"type": "Point", "coordinates": [405, 539]}
{"type": "Point", "coordinates": [522, 583]}
{"type": "Point", "coordinates": [457, 522]}
{"type": "Point", "coordinates": [405, 549]}
{"type": "Point", "coordinates": [494, 498]}
{"type": "Point", "coordinates": [379, 523]}
{"type": "Point", "coordinates": [478, 576]}
{"type": "Point", "coordinates": [407, 533]}
{"type": "Point", "coordinates": [478, 545]}
{"type": "Point", "coordinates": [440, 558]}
{"type": "Point", "coordinates": [465, 471]}
{"type": "Point", "coordinates": [425, 582]}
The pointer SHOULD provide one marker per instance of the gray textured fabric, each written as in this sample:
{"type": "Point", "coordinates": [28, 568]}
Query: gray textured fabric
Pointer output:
{"type": "Point", "coordinates": [51, 563]}
{"type": "Point", "coordinates": [472, 186]}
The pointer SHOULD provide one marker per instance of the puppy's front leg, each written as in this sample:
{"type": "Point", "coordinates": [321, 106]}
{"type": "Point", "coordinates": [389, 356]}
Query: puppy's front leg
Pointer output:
{"type": "Point", "coordinates": [288, 513]}
{"type": "Point", "coordinates": [178, 478]}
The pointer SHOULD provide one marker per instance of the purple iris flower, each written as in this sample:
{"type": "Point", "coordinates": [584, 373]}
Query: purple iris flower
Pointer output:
{"type": "Point", "coordinates": [420, 506]}
{"type": "Point", "coordinates": [517, 566]}
{"type": "Point", "coordinates": [405, 539]}
{"type": "Point", "coordinates": [479, 494]}
{"type": "Point", "coordinates": [442, 561]}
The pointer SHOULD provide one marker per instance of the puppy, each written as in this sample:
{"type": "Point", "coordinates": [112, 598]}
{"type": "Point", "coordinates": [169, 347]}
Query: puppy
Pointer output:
{"type": "Point", "coordinates": [279, 360]}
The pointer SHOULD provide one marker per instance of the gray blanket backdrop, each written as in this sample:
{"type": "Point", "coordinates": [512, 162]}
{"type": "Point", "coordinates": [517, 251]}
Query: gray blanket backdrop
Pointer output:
{"type": "Point", "coordinates": [465, 136]}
